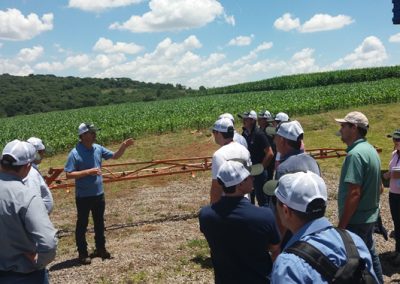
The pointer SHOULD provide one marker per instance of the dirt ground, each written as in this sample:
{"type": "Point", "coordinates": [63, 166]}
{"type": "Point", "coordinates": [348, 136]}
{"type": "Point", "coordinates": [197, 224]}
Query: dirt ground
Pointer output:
{"type": "Point", "coordinates": [154, 237]}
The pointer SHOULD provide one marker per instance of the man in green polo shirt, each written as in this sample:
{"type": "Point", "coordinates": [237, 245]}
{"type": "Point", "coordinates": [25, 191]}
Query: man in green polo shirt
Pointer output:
{"type": "Point", "coordinates": [360, 183]}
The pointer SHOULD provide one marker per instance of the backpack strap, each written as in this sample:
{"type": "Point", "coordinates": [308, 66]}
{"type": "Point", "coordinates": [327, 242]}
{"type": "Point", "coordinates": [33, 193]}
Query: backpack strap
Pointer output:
{"type": "Point", "coordinates": [351, 249]}
{"type": "Point", "coordinates": [315, 258]}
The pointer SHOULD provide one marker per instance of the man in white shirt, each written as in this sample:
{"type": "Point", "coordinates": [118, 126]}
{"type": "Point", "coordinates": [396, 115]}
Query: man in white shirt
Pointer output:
{"type": "Point", "coordinates": [223, 132]}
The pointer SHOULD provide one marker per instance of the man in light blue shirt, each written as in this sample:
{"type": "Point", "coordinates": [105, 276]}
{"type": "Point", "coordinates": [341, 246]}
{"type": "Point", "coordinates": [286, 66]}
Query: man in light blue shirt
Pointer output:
{"type": "Point", "coordinates": [301, 204]}
{"type": "Point", "coordinates": [84, 165]}
{"type": "Point", "coordinates": [27, 237]}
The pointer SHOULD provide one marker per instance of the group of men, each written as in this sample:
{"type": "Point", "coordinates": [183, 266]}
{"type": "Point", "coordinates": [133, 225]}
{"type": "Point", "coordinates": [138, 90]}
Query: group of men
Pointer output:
{"type": "Point", "coordinates": [27, 236]}
{"type": "Point", "coordinates": [260, 244]}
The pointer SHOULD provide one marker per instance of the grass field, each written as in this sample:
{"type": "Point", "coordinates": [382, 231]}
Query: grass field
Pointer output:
{"type": "Point", "coordinates": [153, 233]}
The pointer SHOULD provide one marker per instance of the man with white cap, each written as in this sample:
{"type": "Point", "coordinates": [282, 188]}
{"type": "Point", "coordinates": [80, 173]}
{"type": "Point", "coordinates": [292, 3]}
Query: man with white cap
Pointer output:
{"type": "Point", "coordinates": [280, 117]}
{"type": "Point", "coordinates": [301, 205]}
{"type": "Point", "coordinates": [260, 153]}
{"type": "Point", "coordinates": [288, 140]}
{"type": "Point", "coordinates": [84, 165]}
{"type": "Point", "coordinates": [34, 180]}
{"type": "Point", "coordinates": [236, 136]}
{"type": "Point", "coordinates": [223, 132]}
{"type": "Point", "coordinates": [238, 233]}
{"type": "Point", "coordinates": [27, 237]}
{"type": "Point", "coordinates": [360, 183]}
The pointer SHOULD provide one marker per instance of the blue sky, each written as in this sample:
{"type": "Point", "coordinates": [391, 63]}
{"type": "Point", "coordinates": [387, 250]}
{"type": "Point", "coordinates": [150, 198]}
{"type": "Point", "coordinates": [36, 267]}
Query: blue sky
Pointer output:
{"type": "Point", "coordinates": [195, 42]}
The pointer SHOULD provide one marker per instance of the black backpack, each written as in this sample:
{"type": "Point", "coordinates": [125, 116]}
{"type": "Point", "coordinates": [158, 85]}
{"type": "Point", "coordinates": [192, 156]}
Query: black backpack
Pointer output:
{"type": "Point", "coordinates": [353, 272]}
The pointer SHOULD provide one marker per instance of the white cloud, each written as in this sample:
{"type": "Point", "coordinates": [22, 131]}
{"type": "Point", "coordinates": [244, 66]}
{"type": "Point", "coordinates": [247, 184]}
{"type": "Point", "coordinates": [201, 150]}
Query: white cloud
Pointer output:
{"type": "Point", "coordinates": [100, 5]}
{"type": "Point", "coordinates": [395, 38]}
{"type": "Point", "coordinates": [170, 62]}
{"type": "Point", "coordinates": [318, 23]}
{"type": "Point", "coordinates": [30, 54]}
{"type": "Point", "coordinates": [174, 15]}
{"type": "Point", "coordinates": [241, 40]}
{"type": "Point", "coordinates": [79, 62]}
{"type": "Point", "coordinates": [13, 67]}
{"type": "Point", "coordinates": [287, 23]}
{"type": "Point", "coordinates": [264, 46]}
{"type": "Point", "coordinates": [325, 22]}
{"type": "Point", "coordinates": [229, 19]}
{"type": "Point", "coordinates": [371, 52]}
{"type": "Point", "coordinates": [107, 46]}
{"type": "Point", "coordinates": [15, 26]}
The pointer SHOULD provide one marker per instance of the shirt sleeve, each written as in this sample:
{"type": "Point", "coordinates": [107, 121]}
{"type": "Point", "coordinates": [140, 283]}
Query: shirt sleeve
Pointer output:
{"type": "Point", "coordinates": [41, 231]}
{"type": "Point", "coordinates": [354, 173]}
{"type": "Point", "coordinates": [217, 161]}
{"type": "Point", "coordinates": [106, 154]}
{"type": "Point", "coordinates": [70, 165]}
{"type": "Point", "coordinates": [46, 195]}
{"type": "Point", "coordinates": [287, 269]}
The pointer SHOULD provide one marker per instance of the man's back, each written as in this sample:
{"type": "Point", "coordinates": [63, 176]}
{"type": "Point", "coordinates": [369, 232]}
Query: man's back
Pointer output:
{"type": "Point", "coordinates": [238, 234]}
{"type": "Point", "coordinates": [24, 228]}
{"type": "Point", "coordinates": [290, 268]}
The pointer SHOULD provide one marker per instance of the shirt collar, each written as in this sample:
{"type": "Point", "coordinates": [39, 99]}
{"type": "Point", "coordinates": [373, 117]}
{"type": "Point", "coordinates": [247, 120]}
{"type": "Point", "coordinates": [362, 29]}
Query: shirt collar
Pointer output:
{"type": "Point", "coordinates": [292, 153]}
{"type": "Point", "coordinates": [355, 143]}
{"type": "Point", "coordinates": [310, 228]}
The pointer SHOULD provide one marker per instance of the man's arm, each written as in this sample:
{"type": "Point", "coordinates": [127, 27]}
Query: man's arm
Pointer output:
{"type": "Point", "coordinates": [350, 205]}
{"type": "Point", "coordinates": [269, 155]}
{"type": "Point", "coordinates": [40, 229]}
{"type": "Point", "coordinates": [128, 142]}
{"type": "Point", "coordinates": [215, 191]}
{"type": "Point", "coordinates": [274, 250]}
{"type": "Point", "coordinates": [83, 173]}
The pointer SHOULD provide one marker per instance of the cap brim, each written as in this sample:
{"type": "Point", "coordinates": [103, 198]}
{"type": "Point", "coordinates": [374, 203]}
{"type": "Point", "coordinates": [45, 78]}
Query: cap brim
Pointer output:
{"type": "Point", "coordinates": [269, 187]}
{"type": "Point", "coordinates": [256, 169]}
{"type": "Point", "coordinates": [340, 120]}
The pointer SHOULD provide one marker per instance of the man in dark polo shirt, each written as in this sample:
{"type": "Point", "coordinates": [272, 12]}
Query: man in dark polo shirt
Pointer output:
{"type": "Point", "coordinates": [260, 153]}
{"type": "Point", "coordinates": [239, 234]}
{"type": "Point", "coordinates": [265, 120]}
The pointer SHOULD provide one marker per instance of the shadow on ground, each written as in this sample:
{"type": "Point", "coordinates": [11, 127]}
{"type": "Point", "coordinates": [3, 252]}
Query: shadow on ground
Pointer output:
{"type": "Point", "coordinates": [65, 264]}
{"type": "Point", "coordinates": [388, 267]}
{"type": "Point", "coordinates": [204, 261]}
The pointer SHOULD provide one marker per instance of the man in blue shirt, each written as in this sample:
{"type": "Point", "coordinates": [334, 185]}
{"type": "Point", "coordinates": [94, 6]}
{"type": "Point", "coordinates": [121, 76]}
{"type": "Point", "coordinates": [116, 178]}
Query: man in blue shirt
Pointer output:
{"type": "Point", "coordinates": [27, 236]}
{"type": "Point", "coordinates": [239, 233]}
{"type": "Point", "coordinates": [84, 165]}
{"type": "Point", "coordinates": [301, 204]}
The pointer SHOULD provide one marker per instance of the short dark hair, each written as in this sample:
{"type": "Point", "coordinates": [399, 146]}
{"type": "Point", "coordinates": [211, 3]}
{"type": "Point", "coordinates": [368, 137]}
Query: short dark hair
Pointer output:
{"type": "Point", "coordinates": [226, 189]}
{"type": "Point", "coordinates": [315, 209]}
{"type": "Point", "coordinates": [229, 134]}
{"type": "Point", "coordinates": [7, 164]}
{"type": "Point", "coordinates": [362, 131]}
{"type": "Point", "coordinates": [295, 144]}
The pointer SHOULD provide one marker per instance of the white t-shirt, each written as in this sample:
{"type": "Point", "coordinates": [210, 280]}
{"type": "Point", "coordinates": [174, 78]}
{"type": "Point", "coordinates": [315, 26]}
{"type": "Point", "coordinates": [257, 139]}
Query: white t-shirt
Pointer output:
{"type": "Point", "coordinates": [240, 139]}
{"type": "Point", "coordinates": [233, 150]}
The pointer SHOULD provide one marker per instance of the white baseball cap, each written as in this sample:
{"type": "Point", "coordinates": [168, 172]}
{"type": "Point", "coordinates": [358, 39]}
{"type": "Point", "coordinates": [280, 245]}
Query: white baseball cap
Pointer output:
{"type": "Point", "coordinates": [37, 143]}
{"type": "Point", "coordinates": [223, 125]}
{"type": "Point", "coordinates": [299, 189]}
{"type": "Point", "coordinates": [22, 152]}
{"type": "Point", "coordinates": [232, 173]}
{"type": "Point", "coordinates": [282, 117]}
{"type": "Point", "coordinates": [227, 115]}
{"type": "Point", "coordinates": [355, 117]}
{"type": "Point", "coordinates": [265, 114]}
{"type": "Point", "coordinates": [85, 127]}
{"type": "Point", "coordinates": [248, 114]}
{"type": "Point", "coordinates": [290, 130]}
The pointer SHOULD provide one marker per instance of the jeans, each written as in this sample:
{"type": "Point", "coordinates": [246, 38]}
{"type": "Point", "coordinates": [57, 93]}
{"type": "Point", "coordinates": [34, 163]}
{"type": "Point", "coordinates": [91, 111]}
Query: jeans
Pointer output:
{"type": "Point", "coordinates": [394, 202]}
{"type": "Point", "coordinates": [84, 205]}
{"type": "Point", "coordinates": [258, 185]}
{"type": "Point", "coordinates": [35, 277]}
{"type": "Point", "coordinates": [364, 231]}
